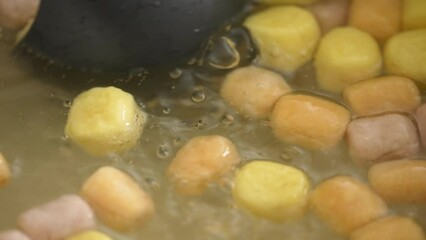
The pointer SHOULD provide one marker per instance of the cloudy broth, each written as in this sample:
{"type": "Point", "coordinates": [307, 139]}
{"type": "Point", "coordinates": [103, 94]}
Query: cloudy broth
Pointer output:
{"type": "Point", "coordinates": [182, 102]}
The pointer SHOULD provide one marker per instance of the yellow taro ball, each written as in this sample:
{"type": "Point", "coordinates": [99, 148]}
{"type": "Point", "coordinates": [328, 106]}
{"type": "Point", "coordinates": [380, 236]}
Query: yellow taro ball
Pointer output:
{"type": "Point", "coordinates": [89, 235]}
{"type": "Point", "coordinates": [105, 120]}
{"type": "Point", "coordinates": [413, 14]}
{"type": "Point", "coordinates": [5, 173]}
{"type": "Point", "coordinates": [271, 190]}
{"type": "Point", "coordinates": [390, 228]}
{"type": "Point", "coordinates": [405, 55]}
{"type": "Point", "coordinates": [117, 199]}
{"type": "Point", "coordinates": [346, 204]}
{"type": "Point", "coordinates": [308, 121]}
{"type": "Point", "coordinates": [346, 55]}
{"type": "Point", "coordinates": [302, 2]}
{"type": "Point", "coordinates": [286, 36]}
{"type": "Point", "coordinates": [382, 94]}
{"type": "Point", "coordinates": [253, 90]}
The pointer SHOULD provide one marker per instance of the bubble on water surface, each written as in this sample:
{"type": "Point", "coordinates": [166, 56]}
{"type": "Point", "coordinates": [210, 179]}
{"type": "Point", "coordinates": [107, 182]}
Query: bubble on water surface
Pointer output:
{"type": "Point", "coordinates": [166, 110]}
{"type": "Point", "coordinates": [198, 124]}
{"type": "Point", "coordinates": [163, 152]}
{"type": "Point", "coordinates": [223, 54]}
{"type": "Point", "coordinates": [177, 141]}
{"type": "Point", "coordinates": [198, 96]}
{"type": "Point", "coordinates": [228, 119]}
{"type": "Point", "coordinates": [192, 61]}
{"type": "Point", "coordinates": [66, 103]}
{"type": "Point", "coordinates": [289, 153]}
{"type": "Point", "coordinates": [65, 138]}
{"type": "Point", "coordinates": [175, 74]}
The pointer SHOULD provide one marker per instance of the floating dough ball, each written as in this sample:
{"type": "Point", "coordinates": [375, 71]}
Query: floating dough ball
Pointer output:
{"type": "Point", "coordinates": [5, 173]}
{"type": "Point", "coordinates": [308, 121]}
{"type": "Point", "coordinates": [380, 18]}
{"type": "Point", "coordinates": [272, 190]}
{"type": "Point", "coordinates": [405, 55]}
{"type": "Point", "coordinates": [60, 218]}
{"type": "Point", "coordinates": [346, 204]}
{"type": "Point", "coordinates": [301, 2]}
{"type": "Point", "coordinates": [390, 228]}
{"type": "Point", "coordinates": [117, 199]}
{"type": "Point", "coordinates": [286, 36]}
{"type": "Point", "coordinates": [413, 14]}
{"type": "Point", "coordinates": [346, 55]}
{"type": "Point", "coordinates": [105, 120]}
{"type": "Point", "coordinates": [15, 14]}
{"type": "Point", "coordinates": [421, 122]}
{"type": "Point", "coordinates": [202, 161]}
{"type": "Point", "coordinates": [400, 181]}
{"type": "Point", "coordinates": [382, 138]}
{"type": "Point", "coordinates": [89, 235]}
{"type": "Point", "coordinates": [330, 13]}
{"type": "Point", "coordinates": [381, 95]}
{"type": "Point", "coordinates": [253, 90]}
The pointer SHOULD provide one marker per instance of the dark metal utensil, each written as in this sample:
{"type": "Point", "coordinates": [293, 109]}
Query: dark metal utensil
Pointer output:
{"type": "Point", "coordinates": [119, 34]}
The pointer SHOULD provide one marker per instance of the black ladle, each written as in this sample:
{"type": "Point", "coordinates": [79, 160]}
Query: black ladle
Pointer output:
{"type": "Point", "coordinates": [120, 34]}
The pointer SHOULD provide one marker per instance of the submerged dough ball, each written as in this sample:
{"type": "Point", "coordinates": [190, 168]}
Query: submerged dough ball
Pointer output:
{"type": "Point", "coordinates": [390, 228]}
{"type": "Point", "coordinates": [308, 121]}
{"type": "Point", "coordinates": [272, 190]}
{"type": "Point", "coordinates": [346, 55]}
{"type": "Point", "coordinates": [253, 90]}
{"type": "Point", "coordinates": [405, 55]}
{"type": "Point", "coordinates": [105, 120]}
{"type": "Point", "coordinates": [202, 161]}
{"type": "Point", "coordinates": [286, 36]}
{"type": "Point", "coordinates": [346, 204]}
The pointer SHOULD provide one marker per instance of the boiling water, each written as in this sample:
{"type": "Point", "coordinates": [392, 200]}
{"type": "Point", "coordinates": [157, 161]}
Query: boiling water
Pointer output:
{"type": "Point", "coordinates": [182, 103]}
